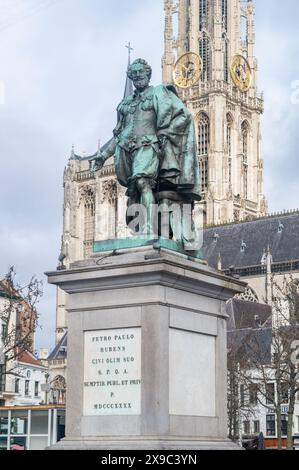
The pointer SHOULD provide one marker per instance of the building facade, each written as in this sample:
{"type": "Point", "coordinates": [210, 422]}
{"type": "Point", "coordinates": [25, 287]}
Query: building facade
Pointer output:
{"type": "Point", "coordinates": [240, 238]}
{"type": "Point", "coordinates": [21, 373]}
{"type": "Point", "coordinates": [31, 427]}
{"type": "Point", "coordinates": [228, 128]}
{"type": "Point", "coordinates": [255, 378]}
{"type": "Point", "coordinates": [227, 118]}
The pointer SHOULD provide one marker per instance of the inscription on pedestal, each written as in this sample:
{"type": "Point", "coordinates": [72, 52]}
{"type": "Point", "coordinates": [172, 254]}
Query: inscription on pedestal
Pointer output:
{"type": "Point", "coordinates": [112, 372]}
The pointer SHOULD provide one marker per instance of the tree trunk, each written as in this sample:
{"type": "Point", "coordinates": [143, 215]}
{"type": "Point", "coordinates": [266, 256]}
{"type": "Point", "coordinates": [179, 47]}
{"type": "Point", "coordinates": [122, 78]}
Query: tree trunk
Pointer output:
{"type": "Point", "coordinates": [279, 434]}
{"type": "Point", "coordinates": [293, 391]}
{"type": "Point", "coordinates": [278, 410]}
{"type": "Point", "coordinates": [290, 442]}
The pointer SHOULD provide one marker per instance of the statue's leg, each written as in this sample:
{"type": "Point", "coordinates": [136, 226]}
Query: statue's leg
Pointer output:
{"type": "Point", "coordinates": [147, 199]}
{"type": "Point", "coordinates": [165, 219]}
{"type": "Point", "coordinates": [145, 171]}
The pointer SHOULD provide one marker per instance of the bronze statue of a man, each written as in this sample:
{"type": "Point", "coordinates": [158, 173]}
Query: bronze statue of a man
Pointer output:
{"type": "Point", "coordinates": [154, 145]}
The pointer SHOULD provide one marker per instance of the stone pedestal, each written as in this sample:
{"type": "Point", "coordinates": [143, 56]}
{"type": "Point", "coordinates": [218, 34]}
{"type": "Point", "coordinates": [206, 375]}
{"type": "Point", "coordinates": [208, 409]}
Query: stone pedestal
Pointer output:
{"type": "Point", "coordinates": [146, 352]}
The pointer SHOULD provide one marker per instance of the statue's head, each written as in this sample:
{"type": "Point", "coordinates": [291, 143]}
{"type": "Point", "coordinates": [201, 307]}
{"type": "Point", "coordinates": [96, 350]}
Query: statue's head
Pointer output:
{"type": "Point", "coordinates": [140, 72]}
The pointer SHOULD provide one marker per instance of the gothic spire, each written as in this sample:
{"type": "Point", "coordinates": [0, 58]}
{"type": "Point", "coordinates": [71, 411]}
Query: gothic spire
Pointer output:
{"type": "Point", "coordinates": [168, 58]}
{"type": "Point", "coordinates": [129, 85]}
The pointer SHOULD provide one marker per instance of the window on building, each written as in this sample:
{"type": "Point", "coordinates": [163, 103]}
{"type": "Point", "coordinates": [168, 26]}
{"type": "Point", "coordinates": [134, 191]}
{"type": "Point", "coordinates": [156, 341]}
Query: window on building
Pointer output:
{"type": "Point", "coordinates": [188, 24]}
{"type": "Point", "coordinates": [256, 427]}
{"type": "Point", "coordinates": [224, 12]}
{"type": "Point", "coordinates": [253, 394]}
{"type": "Point", "coordinates": [2, 378]}
{"type": "Point", "coordinates": [203, 13]}
{"type": "Point", "coordinates": [27, 383]}
{"type": "Point", "coordinates": [245, 182]}
{"type": "Point", "coordinates": [226, 62]}
{"type": "Point", "coordinates": [17, 386]}
{"type": "Point", "coordinates": [270, 393]}
{"type": "Point", "coordinates": [244, 28]}
{"type": "Point", "coordinates": [246, 427]}
{"type": "Point", "coordinates": [271, 425]}
{"type": "Point", "coordinates": [204, 135]}
{"type": "Point", "coordinates": [229, 126]}
{"type": "Point", "coordinates": [3, 423]}
{"type": "Point", "coordinates": [3, 330]}
{"type": "Point", "coordinates": [36, 389]}
{"type": "Point", "coordinates": [285, 393]}
{"type": "Point", "coordinates": [203, 147]}
{"type": "Point", "coordinates": [89, 220]}
{"type": "Point", "coordinates": [245, 134]}
{"type": "Point", "coordinates": [205, 54]}
{"type": "Point", "coordinates": [284, 425]}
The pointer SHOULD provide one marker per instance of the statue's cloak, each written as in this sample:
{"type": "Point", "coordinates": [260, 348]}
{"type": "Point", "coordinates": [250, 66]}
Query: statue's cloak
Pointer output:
{"type": "Point", "coordinates": [179, 166]}
{"type": "Point", "coordinates": [179, 161]}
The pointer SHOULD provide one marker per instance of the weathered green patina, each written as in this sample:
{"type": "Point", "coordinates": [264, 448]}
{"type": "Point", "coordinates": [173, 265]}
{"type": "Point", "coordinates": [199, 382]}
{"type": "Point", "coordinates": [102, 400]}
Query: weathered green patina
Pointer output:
{"type": "Point", "coordinates": [154, 147]}
{"type": "Point", "coordinates": [105, 246]}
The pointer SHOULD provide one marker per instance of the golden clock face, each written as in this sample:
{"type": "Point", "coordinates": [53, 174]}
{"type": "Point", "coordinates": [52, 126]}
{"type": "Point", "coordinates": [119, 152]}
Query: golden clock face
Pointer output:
{"type": "Point", "coordinates": [241, 73]}
{"type": "Point", "coordinates": [187, 70]}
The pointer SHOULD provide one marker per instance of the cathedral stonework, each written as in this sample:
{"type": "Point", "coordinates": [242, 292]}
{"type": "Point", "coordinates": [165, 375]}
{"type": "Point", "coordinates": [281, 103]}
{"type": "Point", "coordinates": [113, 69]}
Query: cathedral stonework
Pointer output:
{"type": "Point", "coordinates": [228, 130]}
{"type": "Point", "coordinates": [227, 118]}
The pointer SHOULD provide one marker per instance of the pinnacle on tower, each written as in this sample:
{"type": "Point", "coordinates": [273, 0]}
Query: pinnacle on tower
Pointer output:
{"type": "Point", "coordinates": [129, 85]}
{"type": "Point", "coordinates": [225, 102]}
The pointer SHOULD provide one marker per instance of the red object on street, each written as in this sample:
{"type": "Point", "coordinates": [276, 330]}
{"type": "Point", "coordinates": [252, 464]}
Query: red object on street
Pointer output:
{"type": "Point", "coordinates": [17, 447]}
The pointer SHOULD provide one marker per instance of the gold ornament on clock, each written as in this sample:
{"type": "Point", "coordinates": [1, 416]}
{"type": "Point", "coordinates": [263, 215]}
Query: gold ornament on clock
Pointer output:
{"type": "Point", "coordinates": [187, 70]}
{"type": "Point", "coordinates": [241, 73]}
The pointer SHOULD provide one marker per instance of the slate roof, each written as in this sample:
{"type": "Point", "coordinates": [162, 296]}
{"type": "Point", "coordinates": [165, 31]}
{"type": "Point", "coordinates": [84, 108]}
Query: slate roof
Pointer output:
{"type": "Point", "coordinates": [252, 344]}
{"type": "Point", "coordinates": [279, 232]}
{"type": "Point", "coordinates": [243, 314]}
{"type": "Point", "coordinates": [60, 350]}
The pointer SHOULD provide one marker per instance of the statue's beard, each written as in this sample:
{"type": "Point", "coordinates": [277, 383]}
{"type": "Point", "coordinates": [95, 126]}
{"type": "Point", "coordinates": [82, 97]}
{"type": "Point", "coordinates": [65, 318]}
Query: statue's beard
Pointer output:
{"type": "Point", "coordinates": [141, 84]}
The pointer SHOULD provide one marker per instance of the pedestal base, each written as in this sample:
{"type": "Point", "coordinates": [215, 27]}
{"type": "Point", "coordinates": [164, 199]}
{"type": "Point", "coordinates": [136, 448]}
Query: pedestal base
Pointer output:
{"type": "Point", "coordinates": [146, 352]}
{"type": "Point", "coordinates": [149, 443]}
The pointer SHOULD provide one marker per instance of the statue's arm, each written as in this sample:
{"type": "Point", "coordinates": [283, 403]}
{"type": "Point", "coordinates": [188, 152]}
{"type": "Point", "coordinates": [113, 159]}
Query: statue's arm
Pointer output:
{"type": "Point", "coordinates": [103, 155]}
{"type": "Point", "coordinates": [109, 148]}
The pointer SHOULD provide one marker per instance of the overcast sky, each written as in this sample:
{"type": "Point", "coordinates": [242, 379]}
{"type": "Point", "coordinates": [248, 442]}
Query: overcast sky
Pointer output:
{"type": "Point", "coordinates": [63, 65]}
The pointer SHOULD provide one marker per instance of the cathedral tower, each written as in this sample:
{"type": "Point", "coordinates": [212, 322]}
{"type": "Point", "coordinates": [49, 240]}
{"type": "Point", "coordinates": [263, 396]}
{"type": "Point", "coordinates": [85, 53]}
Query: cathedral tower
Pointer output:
{"type": "Point", "coordinates": [228, 126]}
{"type": "Point", "coordinates": [225, 103]}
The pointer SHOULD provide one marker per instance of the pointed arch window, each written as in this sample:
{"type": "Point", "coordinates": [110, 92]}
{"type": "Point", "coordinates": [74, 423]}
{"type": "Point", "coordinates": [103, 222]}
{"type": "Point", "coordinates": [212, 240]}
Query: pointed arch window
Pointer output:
{"type": "Point", "coordinates": [245, 135]}
{"type": "Point", "coordinates": [203, 147]}
{"type": "Point", "coordinates": [203, 13]}
{"type": "Point", "coordinates": [188, 24]}
{"type": "Point", "coordinates": [224, 14]}
{"type": "Point", "coordinates": [245, 132]}
{"type": "Point", "coordinates": [89, 220]}
{"type": "Point", "coordinates": [205, 53]}
{"type": "Point", "coordinates": [226, 60]}
{"type": "Point", "coordinates": [229, 127]}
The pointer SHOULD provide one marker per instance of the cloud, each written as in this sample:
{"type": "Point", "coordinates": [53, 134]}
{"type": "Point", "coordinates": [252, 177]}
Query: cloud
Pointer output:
{"type": "Point", "coordinates": [277, 46]}
{"type": "Point", "coordinates": [64, 73]}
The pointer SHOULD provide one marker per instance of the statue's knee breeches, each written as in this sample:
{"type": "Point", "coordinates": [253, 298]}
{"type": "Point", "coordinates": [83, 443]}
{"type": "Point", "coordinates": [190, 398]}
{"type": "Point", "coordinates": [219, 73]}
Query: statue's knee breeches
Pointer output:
{"type": "Point", "coordinates": [145, 163]}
